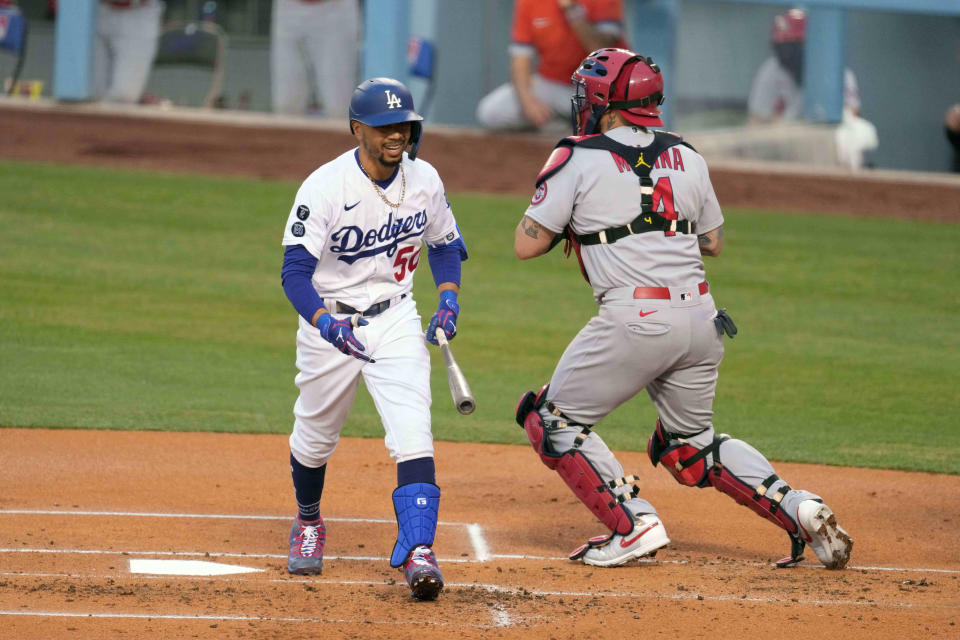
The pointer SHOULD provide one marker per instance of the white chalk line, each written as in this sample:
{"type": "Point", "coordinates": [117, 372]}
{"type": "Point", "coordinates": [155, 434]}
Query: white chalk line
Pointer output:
{"type": "Point", "coordinates": [503, 616]}
{"type": "Point", "coordinates": [210, 554]}
{"type": "Point", "coordinates": [480, 559]}
{"type": "Point", "coordinates": [227, 618]}
{"type": "Point", "coordinates": [481, 549]}
{"type": "Point", "coordinates": [212, 516]}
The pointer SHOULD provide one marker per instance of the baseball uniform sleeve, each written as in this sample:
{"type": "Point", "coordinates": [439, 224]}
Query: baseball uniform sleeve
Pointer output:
{"type": "Point", "coordinates": [606, 16]}
{"type": "Point", "coordinates": [441, 225]}
{"type": "Point", "coordinates": [710, 216]}
{"type": "Point", "coordinates": [552, 203]}
{"type": "Point", "coordinates": [309, 220]}
{"type": "Point", "coordinates": [522, 29]}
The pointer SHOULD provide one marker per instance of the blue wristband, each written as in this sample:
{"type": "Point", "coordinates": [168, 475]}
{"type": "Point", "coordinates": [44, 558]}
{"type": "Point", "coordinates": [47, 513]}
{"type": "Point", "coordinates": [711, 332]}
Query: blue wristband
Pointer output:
{"type": "Point", "coordinates": [323, 324]}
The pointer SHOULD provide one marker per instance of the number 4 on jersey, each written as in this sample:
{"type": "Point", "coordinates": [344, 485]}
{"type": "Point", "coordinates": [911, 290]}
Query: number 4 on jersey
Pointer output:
{"type": "Point", "coordinates": [663, 195]}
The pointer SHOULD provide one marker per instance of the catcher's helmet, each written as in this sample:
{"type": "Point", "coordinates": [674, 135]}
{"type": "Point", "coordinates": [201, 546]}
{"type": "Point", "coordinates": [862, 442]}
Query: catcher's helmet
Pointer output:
{"type": "Point", "coordinates": [789, 26]}
{"type": "Point", "coordinates": [616, 79]}
{"type": "Point", "coordinates": [380, 101]}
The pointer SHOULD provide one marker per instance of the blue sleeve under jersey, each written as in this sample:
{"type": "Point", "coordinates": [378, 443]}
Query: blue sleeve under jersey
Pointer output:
{"type": "Point", "coordinates": [445, 261]}
{"type": "Point", "coordinates": [298, 268]}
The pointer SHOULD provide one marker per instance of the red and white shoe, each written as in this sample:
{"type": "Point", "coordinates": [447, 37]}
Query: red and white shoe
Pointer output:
{"type": "Point", "coordinates": [307, 541]}
{"type": "Point", "coordinates": [647, 536]}
{"type": "Point", "coordinates": [423, 574]}
{"type": "Point", "coordinates": [819, 529]}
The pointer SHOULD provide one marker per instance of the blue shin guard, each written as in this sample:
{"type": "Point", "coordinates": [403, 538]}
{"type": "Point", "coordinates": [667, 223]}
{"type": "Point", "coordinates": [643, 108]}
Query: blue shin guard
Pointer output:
{"type": "Point", "coordinates": [416, 506]}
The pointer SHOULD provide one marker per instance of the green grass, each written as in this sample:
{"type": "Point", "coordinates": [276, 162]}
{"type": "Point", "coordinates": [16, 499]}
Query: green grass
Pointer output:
{"type": "Point", "coordinates": [145, 301]}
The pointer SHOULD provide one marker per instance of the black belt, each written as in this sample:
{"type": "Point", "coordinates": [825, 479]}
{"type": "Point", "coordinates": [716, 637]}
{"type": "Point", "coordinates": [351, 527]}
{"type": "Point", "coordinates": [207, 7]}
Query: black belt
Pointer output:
{"type": "Point", "coordinates": [374, 310]}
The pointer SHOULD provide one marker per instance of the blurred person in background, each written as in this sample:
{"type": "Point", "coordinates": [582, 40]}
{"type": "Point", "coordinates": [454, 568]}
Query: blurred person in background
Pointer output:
{"type": "Point", "coordinates": [128, 32]}
{"type": "Point", "coordinates": [777, 91]}
{"type": "Point", "coordinates": [316, 40]}
{"type": "Point", "coordinates": [951, 125]}
{"type": "Point", "coordinates": [560, 33]}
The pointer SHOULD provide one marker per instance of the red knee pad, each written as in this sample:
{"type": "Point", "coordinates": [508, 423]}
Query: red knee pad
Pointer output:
{"type": "Point", "coordinates": [685, 462]}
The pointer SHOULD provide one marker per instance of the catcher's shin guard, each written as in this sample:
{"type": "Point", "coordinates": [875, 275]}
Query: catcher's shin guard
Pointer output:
{"type": "Point", "coordinates": [688, 465]}
{"type": "Point", "coordinates": [576, 470]}
{"type": "Point", "coordinates": [416, 506]}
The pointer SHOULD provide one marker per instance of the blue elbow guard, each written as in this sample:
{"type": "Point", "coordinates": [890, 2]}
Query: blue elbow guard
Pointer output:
{"type": "Point", "coordinates": [416, 506]}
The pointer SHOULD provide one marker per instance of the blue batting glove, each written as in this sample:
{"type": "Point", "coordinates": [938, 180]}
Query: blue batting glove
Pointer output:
{"type": "Point", "coordinates": [339, 333]}
{"type": "Point", "coordinates": [445, 317]}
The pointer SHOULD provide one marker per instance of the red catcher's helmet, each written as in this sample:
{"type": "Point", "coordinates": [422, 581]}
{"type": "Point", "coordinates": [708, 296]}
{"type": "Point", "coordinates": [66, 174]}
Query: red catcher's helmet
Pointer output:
{"type": "Point", "coordinates": [789, 26]}
{"type": "Point", "coordinates": [616, 79]}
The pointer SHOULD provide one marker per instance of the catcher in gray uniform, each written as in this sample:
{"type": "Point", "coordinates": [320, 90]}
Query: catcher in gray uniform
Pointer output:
{"type": "Point", "coordinates": [638, 208]}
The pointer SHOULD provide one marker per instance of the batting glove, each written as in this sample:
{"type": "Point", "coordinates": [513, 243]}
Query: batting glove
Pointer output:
{"type": "Point", "coordinates": [339, 333]}
{"type": "Point", "coordinates": [445, 317]}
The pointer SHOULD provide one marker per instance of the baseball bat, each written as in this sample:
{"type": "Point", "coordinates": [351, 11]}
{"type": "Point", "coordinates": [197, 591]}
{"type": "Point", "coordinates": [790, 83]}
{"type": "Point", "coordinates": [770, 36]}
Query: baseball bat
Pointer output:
{"type": "Point", "coordinates": [459, 388]}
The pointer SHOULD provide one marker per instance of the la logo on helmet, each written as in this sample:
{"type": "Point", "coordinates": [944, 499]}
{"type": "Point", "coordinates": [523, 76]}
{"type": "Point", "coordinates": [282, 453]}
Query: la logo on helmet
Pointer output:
{"type": "Point", "coordinates": [392, 100]}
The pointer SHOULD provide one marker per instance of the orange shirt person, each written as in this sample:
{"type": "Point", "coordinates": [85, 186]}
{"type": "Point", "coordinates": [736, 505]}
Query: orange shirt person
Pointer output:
{"type": "Point", "coordinates": [558, 34]}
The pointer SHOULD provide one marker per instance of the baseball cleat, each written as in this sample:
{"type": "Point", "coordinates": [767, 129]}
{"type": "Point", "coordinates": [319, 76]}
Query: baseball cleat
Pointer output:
{"type": "Point", "coordinates": [307, 541]}
{"type": "Point", "coordinates": [422, 573]}
{"type": "Point", "coordinates": [647, 536]}
{"type": "Point", "coordinates": [820, 530]}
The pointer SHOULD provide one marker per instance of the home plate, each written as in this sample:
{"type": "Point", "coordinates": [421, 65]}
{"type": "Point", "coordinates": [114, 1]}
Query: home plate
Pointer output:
{"type": "Point", "coordinates": [187, 568]}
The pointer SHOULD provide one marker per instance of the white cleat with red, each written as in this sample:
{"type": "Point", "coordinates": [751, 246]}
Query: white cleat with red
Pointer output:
{"type": "Point", "coordinates": [819, 529]}
{"type": "Point", "coordinates": [647, 536]}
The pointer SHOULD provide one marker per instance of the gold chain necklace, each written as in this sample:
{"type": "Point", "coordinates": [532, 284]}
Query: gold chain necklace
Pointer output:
{"type": "Point", "coordinates": [403, 188]}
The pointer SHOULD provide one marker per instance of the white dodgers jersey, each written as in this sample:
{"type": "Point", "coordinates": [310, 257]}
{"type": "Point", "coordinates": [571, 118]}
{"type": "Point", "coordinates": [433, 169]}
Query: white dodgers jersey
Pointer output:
{"type": "Point", "coordinates": [367, 250]}
{"type": "Point", "coordinates": [596, 190]}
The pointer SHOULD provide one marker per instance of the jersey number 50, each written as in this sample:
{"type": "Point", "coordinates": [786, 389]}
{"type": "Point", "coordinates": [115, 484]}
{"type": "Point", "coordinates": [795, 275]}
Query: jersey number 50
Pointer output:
{"type": "Point", "coordinates": [407, 259]}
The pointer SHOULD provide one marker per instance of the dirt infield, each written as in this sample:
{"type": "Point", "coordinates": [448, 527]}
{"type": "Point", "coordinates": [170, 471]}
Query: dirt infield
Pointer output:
{"type": "Point", "coordinates": [70, 529]}
{"type": "Point", "coordinates": [81, 510]}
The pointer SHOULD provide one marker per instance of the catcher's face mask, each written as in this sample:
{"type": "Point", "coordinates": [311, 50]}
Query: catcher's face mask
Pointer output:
{"type": "Point", "coordinates": [615, 79]}
{"type": "Point", "coordinates": [579, 107]}
{"type": "Point", "coordinates": [591, 87]}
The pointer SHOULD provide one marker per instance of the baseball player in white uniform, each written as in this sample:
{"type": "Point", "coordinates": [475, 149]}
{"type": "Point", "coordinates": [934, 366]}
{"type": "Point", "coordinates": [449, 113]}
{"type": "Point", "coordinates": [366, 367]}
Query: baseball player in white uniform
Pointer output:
{"type": "Point", "coordinates": [640, 211]}
{"type": "Point", "coordinates": [353, 242]}
{"type": "Point", "coordinates": [128, 33]}
{"type": "Point", "coordinates": [318, 42]}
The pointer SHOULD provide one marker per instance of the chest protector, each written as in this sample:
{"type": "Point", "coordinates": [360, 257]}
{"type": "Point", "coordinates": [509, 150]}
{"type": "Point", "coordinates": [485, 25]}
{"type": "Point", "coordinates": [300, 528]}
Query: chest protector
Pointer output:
{"type": "Point", "coordinates": [641, 161]}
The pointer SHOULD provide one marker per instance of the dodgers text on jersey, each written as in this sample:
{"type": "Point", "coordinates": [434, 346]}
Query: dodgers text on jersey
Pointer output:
{"type": "Point", "coordinates": [354, 242]}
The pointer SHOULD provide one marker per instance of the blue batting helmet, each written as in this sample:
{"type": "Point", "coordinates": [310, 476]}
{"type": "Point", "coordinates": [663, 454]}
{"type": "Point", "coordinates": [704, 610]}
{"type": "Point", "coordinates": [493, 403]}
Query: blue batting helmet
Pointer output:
{"type": "Point", "coordinates": [380, 101]}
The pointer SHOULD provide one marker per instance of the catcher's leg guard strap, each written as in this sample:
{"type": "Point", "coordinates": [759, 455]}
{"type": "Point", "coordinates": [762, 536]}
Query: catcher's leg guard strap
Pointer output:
{"type": "Point", "coordinates": [416, 506]}
{"type": "Point", "coordinates": [759, 499]}
{"type": "Point", "coordinates": [577, 471]}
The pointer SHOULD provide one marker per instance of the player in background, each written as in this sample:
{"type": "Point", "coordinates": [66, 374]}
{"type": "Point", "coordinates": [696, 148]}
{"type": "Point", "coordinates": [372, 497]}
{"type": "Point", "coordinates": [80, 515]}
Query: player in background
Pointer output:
{"type": "Point", "coordinates": [558, 33]}
{"type": "Point", "coordinates": [128, 33]}
{"type": "Point", "coordinates": [777, 90]}
{"type": "Point", "coordinates": [314, 43]}
{"type": "Point", "coordinates": [640, 211]}
{"type": "Point", "coordinates": [353, 241]}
